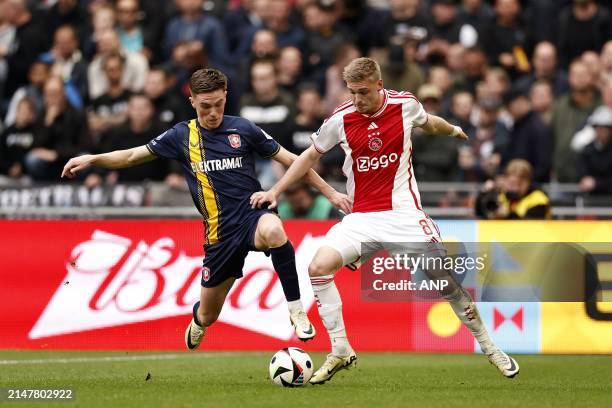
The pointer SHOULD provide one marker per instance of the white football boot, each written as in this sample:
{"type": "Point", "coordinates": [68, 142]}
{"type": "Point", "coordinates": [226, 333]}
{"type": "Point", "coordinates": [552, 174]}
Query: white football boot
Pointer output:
{"type": "Point", "coordinates": [331, 366]}
{"type": "Point", "coordinates": [303, 328]}
{"type": "Point", "coordinates": [504, 363]}
{"type": "Point", "coordinates": [194, 335]}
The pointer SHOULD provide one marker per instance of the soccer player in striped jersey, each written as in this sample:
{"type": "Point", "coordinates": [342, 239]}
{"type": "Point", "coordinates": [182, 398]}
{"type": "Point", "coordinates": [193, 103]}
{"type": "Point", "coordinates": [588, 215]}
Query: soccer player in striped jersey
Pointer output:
{"type": "Point", "coordinates": [217, 153]}
{"type": "Point", "coordinates": [374, 130]}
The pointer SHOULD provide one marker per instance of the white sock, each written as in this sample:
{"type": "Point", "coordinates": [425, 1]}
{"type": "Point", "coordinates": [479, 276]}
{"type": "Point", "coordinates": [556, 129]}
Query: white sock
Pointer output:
{"type": "Point", "coordinates": [295, 306]}
{"type": "Point", "coordinates": [329, 304]}
{"type": "Point", "coordinates": [467, 312]}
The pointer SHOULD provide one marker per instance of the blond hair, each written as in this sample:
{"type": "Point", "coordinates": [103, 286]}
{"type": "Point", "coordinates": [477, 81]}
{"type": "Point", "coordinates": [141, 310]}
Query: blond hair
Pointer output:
{"type": "Point", "coordinates": [520, 168]}
{"type": "Point", "coordinates": [361, 69]}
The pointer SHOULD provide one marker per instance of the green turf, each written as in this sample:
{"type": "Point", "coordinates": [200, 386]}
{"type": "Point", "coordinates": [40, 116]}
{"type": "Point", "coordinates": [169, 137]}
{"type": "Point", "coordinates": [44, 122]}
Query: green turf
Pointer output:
{"type": "Point", "coordinates": [381, 380]}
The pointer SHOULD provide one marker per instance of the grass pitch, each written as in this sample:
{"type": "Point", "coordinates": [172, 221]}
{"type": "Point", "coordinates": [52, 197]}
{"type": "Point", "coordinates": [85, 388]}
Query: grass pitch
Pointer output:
{"type": "Point", "coordinates": [102, 379]}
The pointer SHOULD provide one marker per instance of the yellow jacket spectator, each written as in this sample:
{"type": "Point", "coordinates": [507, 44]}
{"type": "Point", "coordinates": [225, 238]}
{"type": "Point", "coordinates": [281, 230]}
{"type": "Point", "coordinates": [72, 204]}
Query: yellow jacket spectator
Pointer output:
{"type": "Point", "coordinates": [513, 196]}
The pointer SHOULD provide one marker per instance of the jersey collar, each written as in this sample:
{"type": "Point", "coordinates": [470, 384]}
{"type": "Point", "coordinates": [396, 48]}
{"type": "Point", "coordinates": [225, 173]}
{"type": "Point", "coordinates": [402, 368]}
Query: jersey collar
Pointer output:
{"type": "Point", "coordinates": [382, 108]}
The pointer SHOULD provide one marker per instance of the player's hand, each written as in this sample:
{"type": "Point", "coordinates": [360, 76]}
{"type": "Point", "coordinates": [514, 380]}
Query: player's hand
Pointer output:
{"type": "Point", "coordinates": [462, 135]}
{"type": "Point", "coordinates": [76, 164]}
{"type": "Point", "coordinates": [260, 198]}
{"type": "Point", "coordinates": [341, 202]}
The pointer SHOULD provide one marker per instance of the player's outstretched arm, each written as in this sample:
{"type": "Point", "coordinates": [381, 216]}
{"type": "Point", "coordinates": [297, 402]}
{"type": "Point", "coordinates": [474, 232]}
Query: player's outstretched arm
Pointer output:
{"type": "Point", "coordinates": [113, 160]}
{"type": "Point", "coordinates": [435, 125]}
{"type": "Point", "coordinates": [339, 200]}
{"type": "Point", "coordinates": [296, 171]}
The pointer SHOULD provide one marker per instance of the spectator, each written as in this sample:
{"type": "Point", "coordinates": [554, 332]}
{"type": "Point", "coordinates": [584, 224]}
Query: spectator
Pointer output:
{"type": "Point", "coordinates": [481, 161]}
{"type": "Point", "coordinates": [38, 75]}
{"type": "Point", "coordinates": [595, 161]}
{"type": "Point", "coordinates": [102, 19]}
{"type": "Point", "coordinates": [242, 23]}
{"type": "Point", "coordinates": [476, 66]}
{"type": "Point", "coordinates": [569, 113]}
{"type": "Point", "coordinates": [542, 100]}
{"type": "Point", "coordinates": [309, 118]}
{"type": "Point", "coordinates": [135, 70]}
{"type": "Point", "coordinates": [289, 68]}
{"type": "Point", "coordinates": [269, 107]}
{"type": "Point", "coordinates": [139, 128]}
{"type": "Point", "coordinates": [583, 26]}
{"type": "Point", "coordinates": [131, 34]}
{"type": "Point", "coordinates": [505, 41]}
{"type": "Point", "coordinates": [278, 20]}
{"type": "Point", "coordinates": [435, 157]}
{"type": "Point", "coordinates": [323, 37]}
{"type": "Point", "coordinates": [193, 25]}
{"type": "Point", "coordinates": [591, 60]}
{"type": "Point", "coordinates": [440, 77]}
{"type": "Point", "coordinates": [461, 112]}
{"type": "Point", "coordinates": [68, 63]}
{"type": "Point", "coordinates": [545, 68]}
{"type": "Point", "coordinates": [110, 109]}
{"type": "Point", "coordinates": [513, 196]}
{"type": "Point", "coordinates": [335, 89]}
{"type": "Point", "coordinates": [476, 13]}
{"type": "Point", "coordinates": [66, 13]}
{"type": "Point", "coordinates": [17, 140]}
{"type": "Point", "coordinates": [447, 29]}
{"type": "Point", "coordinates": [29, 42]}
{"type": "Point", "coordinates": [170, 107]}
{"type": "Point", "coordinates": [406, 18]}
{"type": "Point", "coordinates": [496, 83]}
{"type": "Point", "coordinates": [302, 203]}
{"type": "Point", "coordinates": [530, 139]}
{"type": "Point", "coordinates": [401, 72]}
{"type": "Point", "coordinates": [62, 134]}
{"type": "Point", "coordinates": [586, 135]}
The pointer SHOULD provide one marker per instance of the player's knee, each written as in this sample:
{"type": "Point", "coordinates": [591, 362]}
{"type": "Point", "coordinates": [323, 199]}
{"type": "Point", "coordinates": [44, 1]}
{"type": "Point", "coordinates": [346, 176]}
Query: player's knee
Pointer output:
{"type": "Point", "coordinates": [274, 235]}
{"type": "Point", "coordinates": [319, 268]}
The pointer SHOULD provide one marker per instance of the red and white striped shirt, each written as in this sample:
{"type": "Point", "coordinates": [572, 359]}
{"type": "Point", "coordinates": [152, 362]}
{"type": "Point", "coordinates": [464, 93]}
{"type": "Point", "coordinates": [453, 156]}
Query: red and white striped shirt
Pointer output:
{"type": "Point", "coordinates": [378, 149]}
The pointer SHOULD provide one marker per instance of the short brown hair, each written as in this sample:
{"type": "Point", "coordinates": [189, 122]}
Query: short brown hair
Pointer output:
{"type": "Point", "coordinates": [361, 69]}
{"type": "Point", "coordinates": [207, 80]}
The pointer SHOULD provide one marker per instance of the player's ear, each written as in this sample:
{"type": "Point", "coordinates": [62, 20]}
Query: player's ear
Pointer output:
{"type": "Point", "coordinates": [191, 101]}
{"type": "Point", "coordinates": [380, 84]}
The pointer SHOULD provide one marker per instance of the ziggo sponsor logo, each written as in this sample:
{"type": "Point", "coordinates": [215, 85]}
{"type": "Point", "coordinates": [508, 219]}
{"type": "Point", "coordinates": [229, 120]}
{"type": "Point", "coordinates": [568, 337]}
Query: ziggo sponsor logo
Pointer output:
{"type": "Point", "coordinates": [365, 163]}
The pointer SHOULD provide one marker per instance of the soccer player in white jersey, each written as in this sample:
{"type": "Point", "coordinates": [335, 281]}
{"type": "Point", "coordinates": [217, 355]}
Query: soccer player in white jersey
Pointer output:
{"type": "Point", "coordinates": [374, 128]}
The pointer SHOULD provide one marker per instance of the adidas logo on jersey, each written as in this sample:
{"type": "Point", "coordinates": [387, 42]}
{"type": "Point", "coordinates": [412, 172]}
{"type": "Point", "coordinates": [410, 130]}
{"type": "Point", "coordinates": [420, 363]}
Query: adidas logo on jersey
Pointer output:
{"type": "Point", "coordinates": [372, 126]}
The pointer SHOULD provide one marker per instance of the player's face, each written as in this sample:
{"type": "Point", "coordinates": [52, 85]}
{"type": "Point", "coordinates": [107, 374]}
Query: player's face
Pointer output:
{"type": "Point", "coordinates": [209, 107]}
{"type": "Point", "coordinates": [366, 95]}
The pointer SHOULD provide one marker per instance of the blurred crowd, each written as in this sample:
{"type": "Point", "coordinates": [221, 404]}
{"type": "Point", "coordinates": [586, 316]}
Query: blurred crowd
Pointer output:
{"type": "Point", "coordinates": [528, 80]}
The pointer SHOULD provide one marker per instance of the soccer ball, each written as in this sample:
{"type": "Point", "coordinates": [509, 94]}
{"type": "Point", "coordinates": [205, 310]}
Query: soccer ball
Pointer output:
{"type": "Point", "coordinates": [291, 367]}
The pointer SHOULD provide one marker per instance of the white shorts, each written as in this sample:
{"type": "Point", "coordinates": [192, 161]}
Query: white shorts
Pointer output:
{"type": "Point", "coordinates": [384, 226]}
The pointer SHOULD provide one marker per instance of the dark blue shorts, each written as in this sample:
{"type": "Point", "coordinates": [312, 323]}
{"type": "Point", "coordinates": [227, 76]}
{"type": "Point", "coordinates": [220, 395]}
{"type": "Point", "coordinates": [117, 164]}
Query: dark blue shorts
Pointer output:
{"type": "Point", "coordinates": [225, 259]}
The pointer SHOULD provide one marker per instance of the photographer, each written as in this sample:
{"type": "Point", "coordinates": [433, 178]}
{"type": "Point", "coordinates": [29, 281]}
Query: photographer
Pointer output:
{"type": "Point", "coordinates": [513, 196]}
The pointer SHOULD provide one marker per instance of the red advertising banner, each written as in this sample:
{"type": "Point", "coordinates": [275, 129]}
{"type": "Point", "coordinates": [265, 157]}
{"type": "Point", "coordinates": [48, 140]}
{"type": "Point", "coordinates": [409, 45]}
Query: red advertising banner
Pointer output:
{"type": "Point", "coordinates": [131, 284]}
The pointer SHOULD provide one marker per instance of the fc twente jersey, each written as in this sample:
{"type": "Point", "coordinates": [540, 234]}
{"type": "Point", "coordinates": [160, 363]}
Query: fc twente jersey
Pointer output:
{"type": "Point", "coordinates": [219, 166]}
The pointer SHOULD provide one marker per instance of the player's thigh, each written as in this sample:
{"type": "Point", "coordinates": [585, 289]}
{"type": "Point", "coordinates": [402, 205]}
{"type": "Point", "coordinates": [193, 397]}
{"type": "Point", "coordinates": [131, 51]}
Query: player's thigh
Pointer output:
{"type": "Point", "coordinates": [213, 298]}
{"type": "Point", "coordinates": [269, 232]}
{"type": "Point", "coordinates": [342, 246]}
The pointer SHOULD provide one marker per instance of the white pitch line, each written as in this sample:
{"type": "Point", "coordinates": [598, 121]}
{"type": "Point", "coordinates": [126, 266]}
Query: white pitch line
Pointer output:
{"type": "Point", "coordinates": [119, 358]}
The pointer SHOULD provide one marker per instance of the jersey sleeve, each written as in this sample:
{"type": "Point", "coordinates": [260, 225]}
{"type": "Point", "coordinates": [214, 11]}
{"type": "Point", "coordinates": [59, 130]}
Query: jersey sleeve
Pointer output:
{"type": "Point", "coordinates": [166, 145]}
{"type": "Point", "coordinates": [327, 136]}
{"type": "Point", "coordinates": [263, 143]}
{"type": "Point", "coordinates": [416, 113]}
